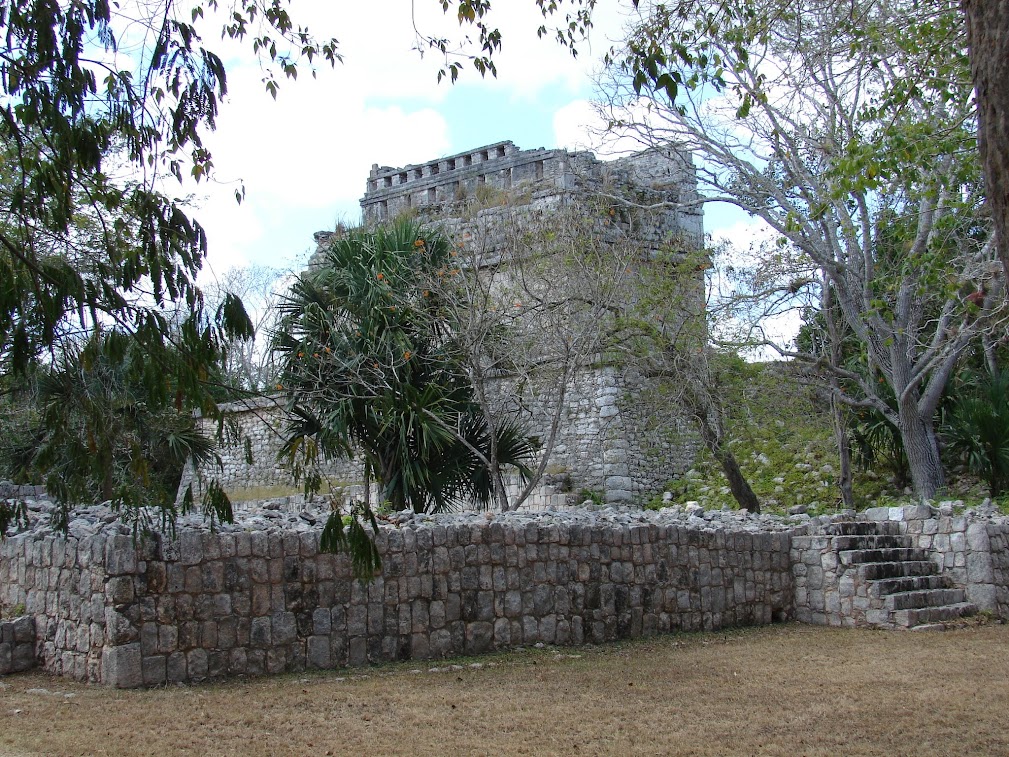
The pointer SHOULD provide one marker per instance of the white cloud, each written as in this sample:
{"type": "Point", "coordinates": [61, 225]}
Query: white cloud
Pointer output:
{"type": "Point", "coordinates": [577, 126]}
{"type": "Point", "coordinates": [304, 158]}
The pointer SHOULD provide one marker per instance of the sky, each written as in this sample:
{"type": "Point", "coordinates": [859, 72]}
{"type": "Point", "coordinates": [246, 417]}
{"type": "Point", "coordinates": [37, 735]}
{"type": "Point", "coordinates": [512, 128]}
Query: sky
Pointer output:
{"type": "Point", "coordinates": [304, 158]}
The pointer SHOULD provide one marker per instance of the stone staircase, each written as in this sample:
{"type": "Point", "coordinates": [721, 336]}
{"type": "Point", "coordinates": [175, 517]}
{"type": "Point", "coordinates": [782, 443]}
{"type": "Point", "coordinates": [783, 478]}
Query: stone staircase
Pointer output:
{"type": "Point", "coordinates": [891, 584]}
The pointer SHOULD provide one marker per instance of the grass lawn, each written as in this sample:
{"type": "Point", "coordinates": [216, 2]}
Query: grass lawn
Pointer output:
{"type": "Point", "coordinates": [781, 690]}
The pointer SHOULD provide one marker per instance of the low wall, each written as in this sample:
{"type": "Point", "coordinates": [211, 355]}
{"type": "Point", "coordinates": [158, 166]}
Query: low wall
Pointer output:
{"type": "Point", "coordinates": [258, 597]}
{"type": "Point", "coordinates": [223, 604]}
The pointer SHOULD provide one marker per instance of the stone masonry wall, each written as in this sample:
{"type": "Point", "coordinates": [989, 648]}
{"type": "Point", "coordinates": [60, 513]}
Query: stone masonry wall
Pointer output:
{"type": "Point", "coordinates": [970, 548]}
{"type": "Point", "coordinates": [260, 425]}
{"type": "Point", "coordinates": [998, 546]}
{"type": "Point", "coordinates": [62, 584]}
{"type": "Point", "coordinates": [223, 604]}
{"type": "Point", "coordinates": [614, 439]}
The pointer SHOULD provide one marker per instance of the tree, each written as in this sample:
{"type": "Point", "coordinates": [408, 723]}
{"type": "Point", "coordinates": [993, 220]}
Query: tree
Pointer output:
{"type": "Point", "coordinates": [370, 366]}
{"type": "Point", "coordinates": [848, 131]}
{"type": "Point", "coordinates": [249, 365]}
{"type": "Point", "coordinates": [101, 103]}
{"type": "Point", "coordinates": [534, 306]}
{"type": "Point", "coordinates": [665, 330]}
{"type": "Point", "coordinates": [90, 85]}
{"type": "Point", "coordinates": [987, 24]}
{"type": "Point", "coordinates": [90, 429]}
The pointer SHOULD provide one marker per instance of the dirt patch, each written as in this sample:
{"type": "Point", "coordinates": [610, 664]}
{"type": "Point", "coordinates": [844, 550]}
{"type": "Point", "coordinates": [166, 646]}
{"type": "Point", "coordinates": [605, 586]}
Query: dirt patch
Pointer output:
{"type": "Point", "coordinates": [782, 690]}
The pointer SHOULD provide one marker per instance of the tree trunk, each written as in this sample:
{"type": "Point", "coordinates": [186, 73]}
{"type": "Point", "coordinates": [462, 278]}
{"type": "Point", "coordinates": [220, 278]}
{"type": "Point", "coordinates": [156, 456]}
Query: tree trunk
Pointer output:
{"type": "Point", "coordinates": [843, 449]}
{"type": "Point", "coordinates": [922, 449]}
{"type": "Point", "coordinates": [738, 484]}
{"type": "Point", "coordinates": [987, 32]}
{"type": "Point", "coordinates": [709, 422]}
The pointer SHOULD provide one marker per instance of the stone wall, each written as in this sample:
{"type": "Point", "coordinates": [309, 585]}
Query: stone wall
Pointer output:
{"type": "Point", "coordinates": [970, 552]}
{"type": "Point", "coordinates": [240, 602]}
{"type": "Point", "coordinates": [998, 545]}
{"type": "Point", "coordinates": [616, 439]}
{"type": "Point", "coordinates": [62, 584]}
{"type": "Point", "coordinates": [447, 189]}
{"type": "Point", "coordinates": [251, 465]}
{"type": "Point", "coordinates": [258, 597]}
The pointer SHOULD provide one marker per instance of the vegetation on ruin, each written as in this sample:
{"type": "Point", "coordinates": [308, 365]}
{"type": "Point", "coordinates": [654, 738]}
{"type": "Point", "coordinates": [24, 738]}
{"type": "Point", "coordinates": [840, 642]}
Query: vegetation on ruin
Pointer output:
{"type": "Point", "coordinates": [104, 105]}
{"type": "Point", "coordinates": [876, 203]}
{"type": "Point", "coordinates": [779, 426]}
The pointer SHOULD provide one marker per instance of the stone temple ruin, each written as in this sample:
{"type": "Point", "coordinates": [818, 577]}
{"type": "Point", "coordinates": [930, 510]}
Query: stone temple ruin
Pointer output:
{"type": "Point", "coordinates": [616, 439]}
{"type": "Point", "coordinates": [259, 596]}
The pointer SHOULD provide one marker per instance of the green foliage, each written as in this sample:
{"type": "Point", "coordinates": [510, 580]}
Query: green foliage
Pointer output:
{"type": "Point", "coordinates": [976, 429]}
{"type": "Point", "coordinates": [370, 366]}
{"type": "Point", "coordinates": [346, 533]}
{"type": "Point", "coordinates": [876, 198]}
{"type": "Point", "coordinates": [91, 242]}
{"type": "Point", "coordinates": [13, 512]}
{"type": "Point", "coordinates": [93, 430]}
{"type": "Point", "coordinates": [77, 244]}
{"type": "Point", "coordinates": [878, 445]}
{"type": "Point", "coordinates": [779, 429]}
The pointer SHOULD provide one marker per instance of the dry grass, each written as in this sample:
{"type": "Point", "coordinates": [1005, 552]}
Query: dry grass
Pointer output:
{"type": "Point", "coordinates": [783, 690]}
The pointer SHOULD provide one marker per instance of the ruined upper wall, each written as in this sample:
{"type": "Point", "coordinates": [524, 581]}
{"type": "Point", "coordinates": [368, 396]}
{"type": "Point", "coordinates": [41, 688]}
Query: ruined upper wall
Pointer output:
{"type": "Point", "coordinates": [442, 189]}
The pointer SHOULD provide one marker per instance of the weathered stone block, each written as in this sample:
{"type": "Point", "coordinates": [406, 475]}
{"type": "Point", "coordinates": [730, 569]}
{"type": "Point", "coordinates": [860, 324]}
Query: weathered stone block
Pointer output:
{"type": "Point", "coordinates": [122, 666]}
{"type": "Point", "coordinates": [979, 568]}
{"type": "Point", "coordinates": [319, 652]}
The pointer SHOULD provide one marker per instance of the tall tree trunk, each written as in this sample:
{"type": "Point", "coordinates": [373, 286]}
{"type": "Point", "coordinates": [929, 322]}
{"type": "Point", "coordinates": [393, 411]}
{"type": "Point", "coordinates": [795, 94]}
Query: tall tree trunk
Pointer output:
{"type": "Point", "coordinates": [922, 449]}
{"type": "Point", "coordinates": [987, 32]}
{"type": "Point", "coordinates": [836, 333]}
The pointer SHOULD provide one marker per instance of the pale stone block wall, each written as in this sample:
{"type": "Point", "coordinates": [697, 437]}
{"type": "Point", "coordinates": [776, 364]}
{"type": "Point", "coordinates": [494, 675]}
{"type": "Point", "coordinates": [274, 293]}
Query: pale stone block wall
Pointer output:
{"type": "Point", "coordinates": [221, 604]}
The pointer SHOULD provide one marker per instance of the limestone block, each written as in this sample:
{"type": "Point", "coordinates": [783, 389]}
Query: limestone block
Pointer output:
{"type": "Point", "coordinates": [120, 556]}
{"type": "Point", "coordinates": [979, 568]}
{"type": "Point", "coordinates": [982, 595]}
{"type": "Point", "coordinates": [122, 666]}
{"type": "Point", "coordinates": [977, 537]}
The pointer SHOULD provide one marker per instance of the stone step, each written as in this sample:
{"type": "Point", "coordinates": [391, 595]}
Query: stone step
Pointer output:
{"type": "Point", "coordinates": [875, 571]}
{"type": "Point", "coordinates": [862, 528]}
{"type": "Point", "coordinates": [872, 541]}
{"type": "Point", "coordinates": [883, 587]}
{"type": "Point", "coordinates": [928, 615]}
{"type": "Point", "coordinates": [913, 600]}
{"type": "Point", "coordinates": [896, 554]}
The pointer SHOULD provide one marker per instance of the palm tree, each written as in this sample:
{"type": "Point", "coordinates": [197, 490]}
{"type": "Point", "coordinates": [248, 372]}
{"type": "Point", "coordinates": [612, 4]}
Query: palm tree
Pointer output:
{"type": "Point", "coordinates": [370, 367]}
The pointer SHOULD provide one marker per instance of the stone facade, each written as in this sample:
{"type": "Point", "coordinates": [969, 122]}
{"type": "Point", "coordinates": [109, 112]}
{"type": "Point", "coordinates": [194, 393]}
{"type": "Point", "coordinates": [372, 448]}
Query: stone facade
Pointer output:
{"type": "Point", "coordinates": [445, 189]}
{"type": "Point", "coordinates": [251, 463]}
